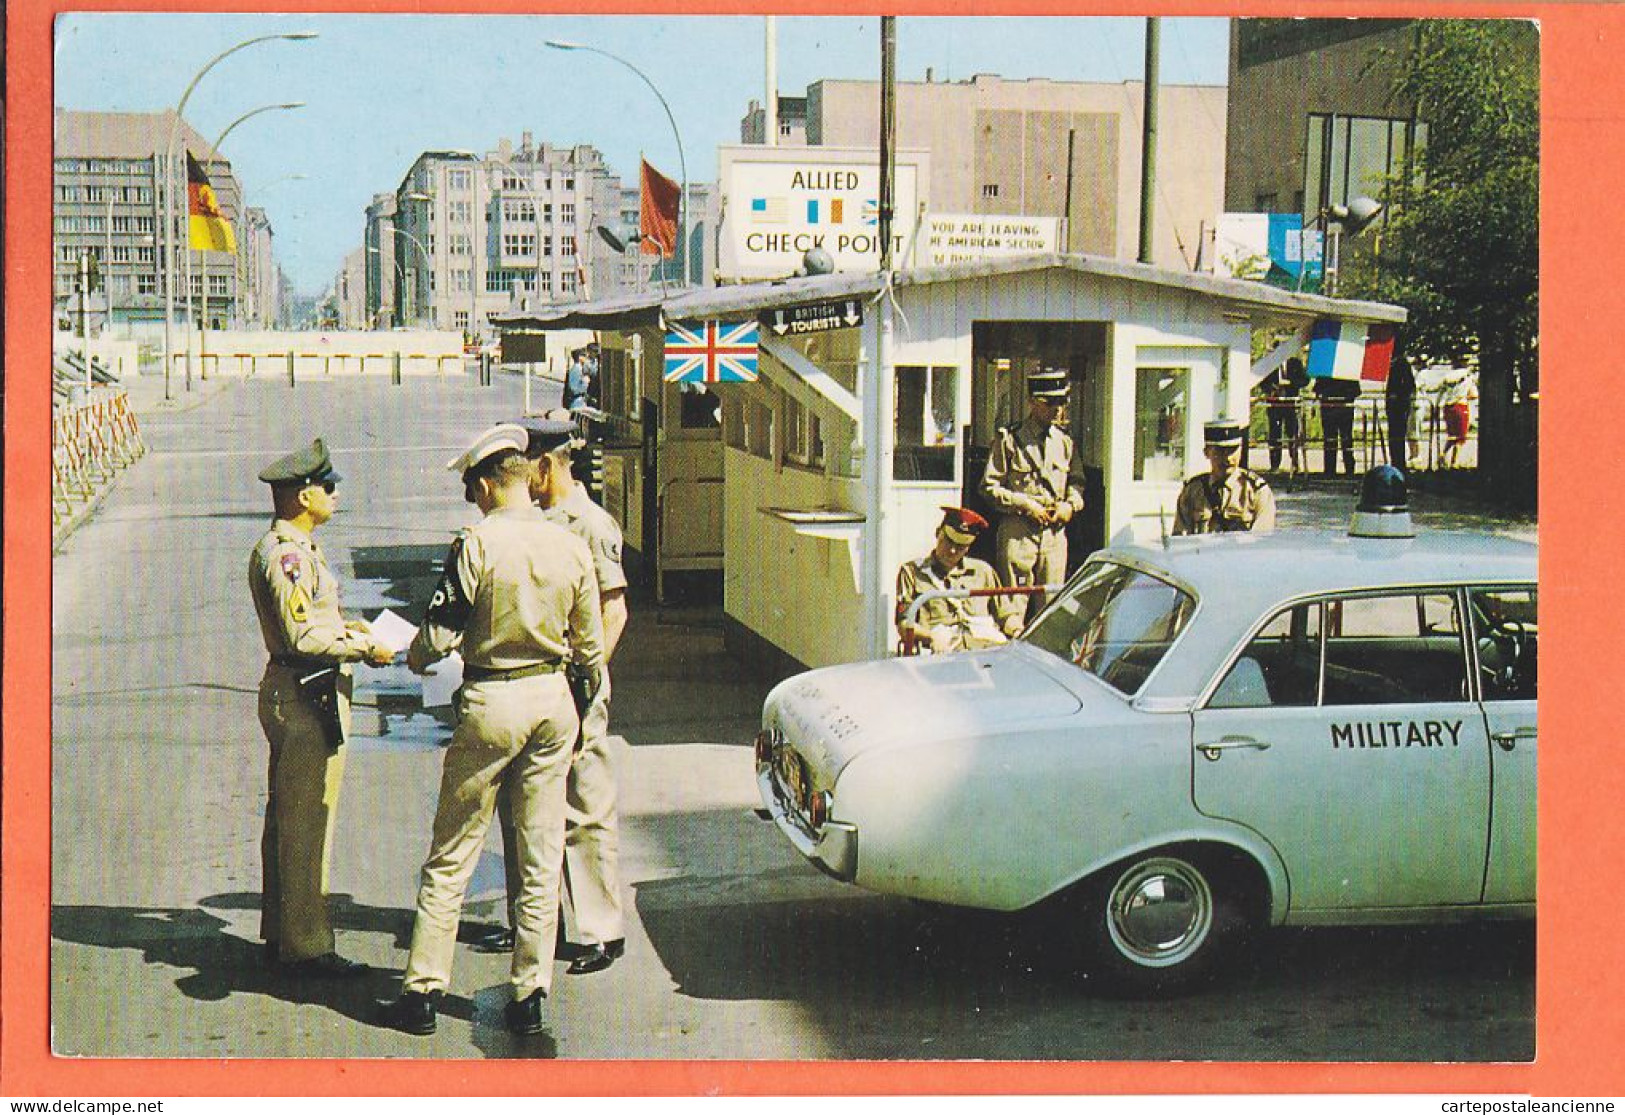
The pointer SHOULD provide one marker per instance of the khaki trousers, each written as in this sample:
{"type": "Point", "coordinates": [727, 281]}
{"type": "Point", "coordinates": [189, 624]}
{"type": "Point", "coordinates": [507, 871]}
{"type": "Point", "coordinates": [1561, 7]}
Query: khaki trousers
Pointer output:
{"type": "Point", "coordinates": [591, 835]}
{"type": "Point", "coordinates": [522, 731]}
{"type": "Point", "coordinates": [303, 779]}
{"type": "Point", "coordinates": [1029, 554]}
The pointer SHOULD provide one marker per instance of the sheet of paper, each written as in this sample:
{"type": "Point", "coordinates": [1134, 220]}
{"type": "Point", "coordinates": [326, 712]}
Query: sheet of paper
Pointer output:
{"type": "Point", "coordinates": [442, 681]}
{"type": "Point", "coordinates": [393, 631]}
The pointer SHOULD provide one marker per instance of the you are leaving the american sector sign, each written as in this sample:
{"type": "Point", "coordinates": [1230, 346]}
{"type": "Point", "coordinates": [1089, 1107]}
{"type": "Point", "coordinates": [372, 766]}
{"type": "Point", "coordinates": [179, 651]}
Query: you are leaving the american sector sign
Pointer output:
{"type": "Point", "coordinates": [962, 237]}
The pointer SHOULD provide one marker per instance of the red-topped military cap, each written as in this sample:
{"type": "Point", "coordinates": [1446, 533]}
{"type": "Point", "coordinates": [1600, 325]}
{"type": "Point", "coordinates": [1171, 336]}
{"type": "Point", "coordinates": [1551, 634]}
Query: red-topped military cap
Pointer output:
{"type": "Point", "coordinates": [961, 525]}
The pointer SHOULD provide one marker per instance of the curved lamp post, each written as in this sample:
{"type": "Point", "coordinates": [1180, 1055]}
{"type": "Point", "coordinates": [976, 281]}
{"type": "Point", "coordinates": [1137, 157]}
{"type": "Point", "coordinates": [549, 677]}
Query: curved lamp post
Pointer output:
{"type": "Point", "coordinates": [428, 264]}
{"type": "Point", "coordinates": [169, 186]}
{"type": "Point", "coordinates": [682, 161]}
{"type": "Point", "coordinates": [203, 313]}
{"type": "Point", "coordinates": [535, 216]}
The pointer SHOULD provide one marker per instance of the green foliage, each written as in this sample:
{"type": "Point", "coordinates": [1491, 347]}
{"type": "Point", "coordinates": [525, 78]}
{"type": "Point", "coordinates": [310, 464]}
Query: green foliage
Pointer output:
{"type": "Point", "coordinates": [1461, 247]}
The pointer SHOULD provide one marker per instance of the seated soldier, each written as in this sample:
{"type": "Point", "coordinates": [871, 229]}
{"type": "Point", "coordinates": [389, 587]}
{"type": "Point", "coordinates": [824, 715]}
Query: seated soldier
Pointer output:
{"type": "Point", "coordinates": [947, 624]}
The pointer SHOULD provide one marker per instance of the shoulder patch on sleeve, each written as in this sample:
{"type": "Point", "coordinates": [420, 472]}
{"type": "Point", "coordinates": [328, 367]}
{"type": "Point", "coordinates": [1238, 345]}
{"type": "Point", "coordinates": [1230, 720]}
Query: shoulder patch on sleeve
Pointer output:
{"type": "Point", "coordinates": [449, 607]}
{"type": "Point", "coordinates": [292, 567]}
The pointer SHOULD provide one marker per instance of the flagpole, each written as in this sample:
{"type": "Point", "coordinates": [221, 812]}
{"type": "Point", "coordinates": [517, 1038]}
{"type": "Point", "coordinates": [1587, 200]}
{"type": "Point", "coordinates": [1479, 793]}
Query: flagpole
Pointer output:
{"type": "Point", "coordinates": [169, 184]}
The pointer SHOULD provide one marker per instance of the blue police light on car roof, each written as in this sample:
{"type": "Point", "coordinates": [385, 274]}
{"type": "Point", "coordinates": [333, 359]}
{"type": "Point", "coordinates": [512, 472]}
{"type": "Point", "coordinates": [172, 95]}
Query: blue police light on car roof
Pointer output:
{"type": "Point", "coordinates": [1384, 509]}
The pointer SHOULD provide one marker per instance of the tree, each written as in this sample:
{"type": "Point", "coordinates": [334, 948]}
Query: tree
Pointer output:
{"type": "Point", "coordinates": [1461, 247]}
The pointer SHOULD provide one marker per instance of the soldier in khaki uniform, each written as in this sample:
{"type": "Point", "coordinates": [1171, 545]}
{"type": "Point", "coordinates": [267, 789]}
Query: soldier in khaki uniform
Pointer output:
{"type": "Point", "coordinates": [592, 833]}
{"type": "Point", "coordinates": [304, 708]}
{"type": "Point", "coordinates": [947, 624]}
{"type": "Point", "coordinates": [1227, 497]}
{"type": "Point", "coordinates": [1036, 484]}
{"type": "Point", "coordinates": [518, 595]}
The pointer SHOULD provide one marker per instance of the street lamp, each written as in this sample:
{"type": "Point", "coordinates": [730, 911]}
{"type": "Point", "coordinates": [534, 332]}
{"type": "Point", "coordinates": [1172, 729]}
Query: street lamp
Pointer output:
{"type": "Point", "coordinates": [428, 264]}
{"type": "Point", "coordinates": [682, 162]}
{"type": "Point", "coordinates": [203, 315]}
{"type": "Point", "coordinates": [169, 186]}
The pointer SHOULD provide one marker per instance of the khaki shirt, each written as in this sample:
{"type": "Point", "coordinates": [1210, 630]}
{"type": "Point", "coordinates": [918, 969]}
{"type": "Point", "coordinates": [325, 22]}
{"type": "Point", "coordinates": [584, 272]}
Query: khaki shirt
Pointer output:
{"type": "Point", "coordinates": [583, 518]}
{"type": "Point", "coordinates": [958, 616]}
{"type": "Point", "coordinates": [1241, 501]}
{"type": "Point", "coordinates": [1031, 468]}
{"type": "Point", "coordinates": [296, 597]}
{"type": "Point", "coordinates": [516, 590]}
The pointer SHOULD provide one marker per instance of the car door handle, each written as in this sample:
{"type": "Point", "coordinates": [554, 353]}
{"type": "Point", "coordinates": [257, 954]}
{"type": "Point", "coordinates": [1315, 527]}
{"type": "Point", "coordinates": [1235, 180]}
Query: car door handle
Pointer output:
{"type": "Point", "coordinates": [1210, 751]}
{"type": "Point", "coordinates": [1506, 741]}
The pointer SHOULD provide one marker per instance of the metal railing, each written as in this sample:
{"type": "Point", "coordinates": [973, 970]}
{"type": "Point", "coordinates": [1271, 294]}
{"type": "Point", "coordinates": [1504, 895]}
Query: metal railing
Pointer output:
{"type": "Point", "coordinates": [1427, 437]}
{"type": "Point", "coordinates": [91, 443]}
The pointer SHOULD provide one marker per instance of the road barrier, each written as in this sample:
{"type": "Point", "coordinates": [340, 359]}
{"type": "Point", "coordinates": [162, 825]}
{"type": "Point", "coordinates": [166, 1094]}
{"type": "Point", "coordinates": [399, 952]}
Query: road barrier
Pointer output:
{"type": "Point", "coordinates": [91, 443]}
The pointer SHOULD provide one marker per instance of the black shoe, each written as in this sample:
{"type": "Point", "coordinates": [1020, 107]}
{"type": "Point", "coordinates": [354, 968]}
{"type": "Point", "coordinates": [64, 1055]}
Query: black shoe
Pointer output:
{"type": "Point", "coordinates": [524, 1016]}
{"type": "Point", "coordinates": [327, 966]}
{"type": "Point", "coordinates": [412, 1013]}
{"type": "Point", "coordinates": [595, 958]}
{"type": "Point", "coordinates": [490, 938]}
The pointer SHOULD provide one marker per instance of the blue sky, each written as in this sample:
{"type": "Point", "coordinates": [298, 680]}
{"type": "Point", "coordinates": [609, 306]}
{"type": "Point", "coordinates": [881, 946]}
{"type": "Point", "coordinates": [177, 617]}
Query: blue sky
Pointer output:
{"type": "Point", "coordinates": [379, 89]}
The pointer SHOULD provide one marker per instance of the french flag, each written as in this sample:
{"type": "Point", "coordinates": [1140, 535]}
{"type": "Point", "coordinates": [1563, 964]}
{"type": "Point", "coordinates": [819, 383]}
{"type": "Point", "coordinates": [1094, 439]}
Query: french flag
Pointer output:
{"type": "Point", "coordinates": [1349, 350]}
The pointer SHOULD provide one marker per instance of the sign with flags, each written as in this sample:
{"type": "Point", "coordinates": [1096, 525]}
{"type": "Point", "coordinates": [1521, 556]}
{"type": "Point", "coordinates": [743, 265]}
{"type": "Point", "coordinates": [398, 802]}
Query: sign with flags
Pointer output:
{"type": "Point", "coordinates": [1350, 350]}
{"type": "Point", "coordinates": [657, 213]}
{"type": "Point", "coordinates": [711, 352]}
{"type": "Point", "coordinates": [207, 229]}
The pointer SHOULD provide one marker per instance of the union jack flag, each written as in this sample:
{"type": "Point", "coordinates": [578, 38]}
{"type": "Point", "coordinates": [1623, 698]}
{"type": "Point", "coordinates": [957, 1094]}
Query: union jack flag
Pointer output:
{"type": "Point", "coordinates": [711, 352]}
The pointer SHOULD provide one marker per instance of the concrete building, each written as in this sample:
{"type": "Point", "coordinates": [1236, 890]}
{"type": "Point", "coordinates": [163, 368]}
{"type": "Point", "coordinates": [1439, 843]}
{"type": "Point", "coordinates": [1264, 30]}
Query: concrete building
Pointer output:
{"type": "Point", "coordinates": [106, 207]}
{"type": "Point", "coordinates": [259, 307]}
{"type": "Point", "coordinates": [350, 291]}
{"type": "Point", "coordinates": [382, 267]}
{"type": "Point", "coordinates": [792, 122]}
{"type": "Point", "coordinates": [1001, 148]}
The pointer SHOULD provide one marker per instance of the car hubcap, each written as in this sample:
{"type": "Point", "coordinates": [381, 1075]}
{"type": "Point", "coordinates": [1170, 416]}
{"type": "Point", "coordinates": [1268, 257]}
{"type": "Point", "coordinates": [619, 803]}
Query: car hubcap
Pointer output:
{"type": "Point", "coordinates": [1160, 912]}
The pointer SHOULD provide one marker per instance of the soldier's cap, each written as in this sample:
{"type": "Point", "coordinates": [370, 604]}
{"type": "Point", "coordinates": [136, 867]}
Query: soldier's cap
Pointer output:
{"type": "Point", "coordinates": [300, 469]}
{"type": "Point", "coordinates": [506, 435]}
{"type": "Point", "coordinates": [961, 525]}
{"type": "Point", "coordinates": [1222, 434]}
{"type": "Point", "coordinates": [1049, 385]}
{"type": "Point", "coordinates": [550, 432]}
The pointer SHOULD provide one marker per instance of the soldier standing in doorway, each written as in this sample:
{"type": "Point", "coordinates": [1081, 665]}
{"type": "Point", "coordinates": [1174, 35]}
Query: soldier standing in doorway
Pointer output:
{"type": "Point", "coordinates": [1035, 483]}
{"type": "Point", "coordinates": [1227, 497]}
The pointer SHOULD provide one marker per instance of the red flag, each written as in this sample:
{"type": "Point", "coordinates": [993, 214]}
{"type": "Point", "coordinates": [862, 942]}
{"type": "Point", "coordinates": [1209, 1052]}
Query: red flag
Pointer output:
{"type": "Point", "coordinates": [657, 220]}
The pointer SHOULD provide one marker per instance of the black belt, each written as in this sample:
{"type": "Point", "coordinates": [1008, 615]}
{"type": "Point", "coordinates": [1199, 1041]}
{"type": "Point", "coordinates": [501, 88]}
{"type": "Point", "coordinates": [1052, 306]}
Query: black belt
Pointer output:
{"type": "Point", "coordinates": [486, 673]}
{"type": "Point", "coordinates": [300, 662]}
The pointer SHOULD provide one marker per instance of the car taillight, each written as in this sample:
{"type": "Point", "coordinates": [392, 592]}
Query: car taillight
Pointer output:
{"type": "Point", "coordinates": [767, 741]}
{"type": "Point", "coordinates": [818, 806]}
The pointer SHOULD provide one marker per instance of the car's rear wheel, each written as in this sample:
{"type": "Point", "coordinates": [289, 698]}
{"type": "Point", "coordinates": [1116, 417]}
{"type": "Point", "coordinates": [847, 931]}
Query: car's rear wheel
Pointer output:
{"type": "Point", "coordinates": [1160, 923]}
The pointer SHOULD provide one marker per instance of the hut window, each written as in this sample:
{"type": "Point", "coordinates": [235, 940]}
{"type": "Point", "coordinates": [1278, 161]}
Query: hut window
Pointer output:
{"type": "Point", "coordinates": [927, 423]}
{"type": "Point", "coordinates": [1161, 404]}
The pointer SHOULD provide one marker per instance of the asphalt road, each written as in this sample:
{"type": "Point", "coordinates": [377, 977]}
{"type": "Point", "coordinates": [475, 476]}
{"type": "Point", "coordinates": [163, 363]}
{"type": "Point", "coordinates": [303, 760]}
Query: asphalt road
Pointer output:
{"type": "Point", "coordinates": [737, 949]}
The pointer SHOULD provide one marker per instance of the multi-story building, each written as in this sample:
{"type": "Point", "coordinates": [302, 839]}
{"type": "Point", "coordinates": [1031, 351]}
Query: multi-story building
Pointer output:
{"type": "Point", "coordinates": [792, 122]}
{"type": "Point", "coordinates": [350, 291]}
{"type": "Point", "coordinates": [106, 203]}
{"type": "Point", "coordinates": [1001, 148]}
{"type": "Point", "coordinates": [382, 270]}
{"type": "Point", "coordinates": [259, 307]}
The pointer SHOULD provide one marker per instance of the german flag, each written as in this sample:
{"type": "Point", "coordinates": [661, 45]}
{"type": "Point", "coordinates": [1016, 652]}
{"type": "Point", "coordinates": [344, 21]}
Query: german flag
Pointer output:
{"type": "Point", "coordinates": [207, 229]}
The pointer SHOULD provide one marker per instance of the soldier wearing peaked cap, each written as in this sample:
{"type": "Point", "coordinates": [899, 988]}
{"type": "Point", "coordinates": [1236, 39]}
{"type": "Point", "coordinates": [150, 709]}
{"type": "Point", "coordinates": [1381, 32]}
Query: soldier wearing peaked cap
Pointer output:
{"type": "Point", "coordinates": [945, 623]}
{"type": "Point", "coordinates": [1227, 497]}
{"type": "Point", "coordinates": [1036, 484]}
{"type": "Point", "coordinates": [304, 709]}
{"type": "Point", "coordinates": [519, 597]}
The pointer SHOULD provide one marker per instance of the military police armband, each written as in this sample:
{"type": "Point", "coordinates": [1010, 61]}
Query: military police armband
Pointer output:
{"type": "Point", "coordinates": [449, 607]}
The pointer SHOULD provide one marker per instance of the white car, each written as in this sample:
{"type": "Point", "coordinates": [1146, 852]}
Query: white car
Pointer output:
{"type": "Point", "coordinates": [1195, 739]}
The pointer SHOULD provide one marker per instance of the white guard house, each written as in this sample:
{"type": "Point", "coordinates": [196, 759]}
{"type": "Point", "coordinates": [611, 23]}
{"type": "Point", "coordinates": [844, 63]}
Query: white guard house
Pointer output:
{"type": "Point", "coordinates": [807, 488]}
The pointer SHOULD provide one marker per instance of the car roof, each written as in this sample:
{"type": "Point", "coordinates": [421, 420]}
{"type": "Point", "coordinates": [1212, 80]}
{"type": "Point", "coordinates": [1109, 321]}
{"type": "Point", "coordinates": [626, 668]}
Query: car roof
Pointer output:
{"type": "Point", "coordinates": [1239, 579]}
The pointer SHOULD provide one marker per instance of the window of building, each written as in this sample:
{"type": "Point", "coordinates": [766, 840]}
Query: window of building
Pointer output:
{"type": "Point", "coordinates": [95, 224]}
{"type": "Point", "coordinates": [219, 285]}
{"type": "Point", "coordinates": [518, 209]}
{"type": "Point", "coordinates": [567, 282]}
{"type": "Point", "coordinates": [926, 422]}
{"type": "Point", "coordinates": [99, 193]}
{"type": "Point", "coordinates": [121, 253]}
{"type": "Point", "coordinates": [146, 284]}
{"type": "Point", "coordinates": [459, 319]}
{"type": "Point", "coordinates": [522, 244]}
{"type": "Point", "coordinates": [459, 179]}
{"type": "Point", "coordinates": [698, 407]}
{"type": "Point", "coordinates": [459, 211]}
{"type": "Point", "coordinates": [196, 285]}
{"type": "Point", "coordinates": [459, 244]}
{"type": "Point", "coordinates": [567, 184]}
{"type": "Point", "coordinates": [567, 214]}
{"type": "Point", "coordinates": [139, 194]}
{"type": "Point", "coordinates": [67, 253]}
{"type": "Point", "coordinates": [513, 182]}
{"type": "Point", "coordinates": [567, 247]}
{"type": "Point", "coordinates": [1347, 156]}
{"type": "Point", "coordinates": [784, 129]}
{"type": "Point", "coordinates": [547, 212]}
{"type": "Point", "coordinates": [990, 190]}
{"type": "Point", "coordinates": [498, 281]}
{"type": "Point", "coordinates": [547, 247]}
{"type": "Point", "coordinates": [1161, 402]}
{"type": "Point", "coordinates": [759, 428]}
{"type": "Point", "coordinates": [145, 254]}
{"type": "Point", "coordinates": [544, 283]}
{"type": "Point", "coordinates": [1266, 201]}
{"type": "Point", "coordinates": [460, 280]}
{"type": "Point", "coordinates": [66, 193]}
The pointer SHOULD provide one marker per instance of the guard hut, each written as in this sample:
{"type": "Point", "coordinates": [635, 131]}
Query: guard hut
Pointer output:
{"type": "Point", "coordinates": [874, 404]}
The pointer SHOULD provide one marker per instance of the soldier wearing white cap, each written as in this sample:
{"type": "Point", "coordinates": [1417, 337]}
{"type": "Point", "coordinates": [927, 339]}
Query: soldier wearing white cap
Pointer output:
{"type": "Point", "coordinates": [1036, 485]}
{"type": "Point", "coordinates": [592, 828]}
{"type": "Point", "coordinates": [519, 597]}
{"type": "Point", "coordinates": [304, 709]}
{"type": "Point", "coordinates": [1227, 497]}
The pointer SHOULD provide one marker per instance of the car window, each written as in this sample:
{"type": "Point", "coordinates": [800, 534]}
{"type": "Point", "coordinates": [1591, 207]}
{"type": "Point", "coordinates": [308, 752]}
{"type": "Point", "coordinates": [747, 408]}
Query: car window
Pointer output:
{"type": "Point", "coordinates": [1114, 622]}
{"type": "Point", "coordinates": [1504, 631]}
{"type": "Point", "coordinates": [1395, 649]}
{"type": "Point", "coordinates": [1280, 667]}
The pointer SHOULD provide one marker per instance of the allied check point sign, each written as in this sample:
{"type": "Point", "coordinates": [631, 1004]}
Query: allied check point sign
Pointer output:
{"type": "Point", "coordinates": [847, 313]}
{"type": "Point", "coordinates": [711, 352]}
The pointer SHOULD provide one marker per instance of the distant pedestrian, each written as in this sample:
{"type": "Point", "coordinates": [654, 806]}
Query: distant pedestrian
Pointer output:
{"type": "Point", "coordinates": [1456, 397]}
{"type": "Point", "coordinates": [1227, 497]}
{"type": "Point", "coordinates": [304, 709]}
{"type": "Point", "coordinates": [576, 381]}
{"type": "Point", "coordinates": [1337, 398]}
{"type": "Point", "coordinates": [519, 597]}
{"type": "Point", "coordinates": [1399, 407]}
{"type": "Point", "coordinates": [1282, 389]}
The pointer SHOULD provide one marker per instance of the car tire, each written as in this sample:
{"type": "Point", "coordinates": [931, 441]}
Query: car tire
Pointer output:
{"type": "Point", "coordinates": [1161, 923]}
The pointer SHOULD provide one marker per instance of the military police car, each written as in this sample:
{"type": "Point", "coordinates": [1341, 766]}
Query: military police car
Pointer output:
{"type": "Point", "coordinates": [1195, 739]}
